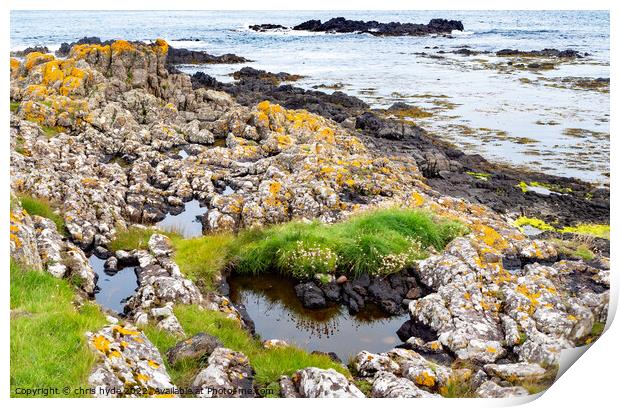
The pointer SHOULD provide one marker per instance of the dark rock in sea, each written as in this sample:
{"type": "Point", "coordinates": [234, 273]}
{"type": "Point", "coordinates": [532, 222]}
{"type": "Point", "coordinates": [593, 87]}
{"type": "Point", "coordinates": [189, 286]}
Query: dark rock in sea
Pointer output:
{"type": "Point", "coordinates": [342, 25]}
{"type": "Point", "coordinates": [249, 73]}
{"type": "Point", "coordinates": [193, 348]}
{"type": "Point", "coordinates": [28, 50]}
{"type": "Point", "coordinates": [545, 53]}
{"type": "Point", "coordinates": [178, 56]}
{"type": "Point", "coordinates": [311, 296]}
{"type": "Point", "coordinates": [267, 27]}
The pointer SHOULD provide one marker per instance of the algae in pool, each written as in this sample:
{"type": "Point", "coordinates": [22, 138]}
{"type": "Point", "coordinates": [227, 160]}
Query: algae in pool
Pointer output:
{"type": "Point", "coordinates": [114, 288]}
{"type": "Point", "coordinates": [278, 314]}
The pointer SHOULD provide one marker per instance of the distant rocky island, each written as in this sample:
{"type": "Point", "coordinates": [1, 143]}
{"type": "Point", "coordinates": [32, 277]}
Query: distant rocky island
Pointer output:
{"type": "Point", "coordinates": [343, 25]}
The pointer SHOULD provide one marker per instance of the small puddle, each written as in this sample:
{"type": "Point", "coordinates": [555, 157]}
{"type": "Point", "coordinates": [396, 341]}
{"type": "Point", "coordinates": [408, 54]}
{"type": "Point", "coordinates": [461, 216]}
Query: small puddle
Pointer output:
{"type": "Point", "coordinates": [184, 155]}
{"type": "Point", "coordinates": [227, 191]}
{"type": "Point", "coordinates": [114, 288]}
{"type": "Point", "coordinates": [278, 314]}
{"type": "Point", "coordinates": [185, 223]}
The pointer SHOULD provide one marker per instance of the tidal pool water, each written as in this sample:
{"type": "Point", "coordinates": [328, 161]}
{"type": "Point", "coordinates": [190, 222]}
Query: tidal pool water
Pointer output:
{"type": "Point", "coordinates": [278, 314]}
{"type": "Point", "coordinates": [114, 287]}
{"type": "Point", "coordinates": [186, 223]}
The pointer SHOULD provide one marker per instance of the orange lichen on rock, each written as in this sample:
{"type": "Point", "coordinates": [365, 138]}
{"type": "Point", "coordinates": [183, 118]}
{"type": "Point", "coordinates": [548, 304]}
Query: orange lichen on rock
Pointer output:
{"type": "Point", "coordinates": [102, 344]}
{"type": "Point", "coordinates": [35, 58]}
{"type": "Point", "coordinates": [161, 46]}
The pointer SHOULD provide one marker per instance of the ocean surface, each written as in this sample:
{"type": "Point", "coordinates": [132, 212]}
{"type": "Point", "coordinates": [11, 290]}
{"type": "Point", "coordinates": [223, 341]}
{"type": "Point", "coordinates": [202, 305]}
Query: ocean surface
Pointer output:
{"type": "Point", "coordinates": [521, 117]}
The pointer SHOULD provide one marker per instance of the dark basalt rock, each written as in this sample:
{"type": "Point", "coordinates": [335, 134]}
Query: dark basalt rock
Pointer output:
{"type": "Point", "coordinates": [342, 25]}
{"type": "Point", "coordinates": [267, 27]}
{"type": "Point", "coordinates": [249, 73]}
{"type": "Point", "coordinates": [178, 56]}
{"type": "Point", "coordinates": [202, 344]}
{"type": "Point", "coordinates": [311, 296]}
{"type": "Point", "coordinates": [252, 89]}
{"type": "Point", "coordinates": [354, 297]}
{"type": "Point", "coordinates": [28, 50]}
{"type": "Point", "coordinates": [414, 328]}
{"type": "Point", "coordinates": [545, 53]}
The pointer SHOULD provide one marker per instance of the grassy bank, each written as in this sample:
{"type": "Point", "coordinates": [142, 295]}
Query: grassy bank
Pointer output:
{"type": "Point", "coordinates": [136, 238]}
{"type": "Point", "coordinates": [43, 208]}
{"type": "Point", "coordinates": [377, 243]}
{"type": "Point", "coordinates": [48, 346]}
{"type": "Point", "coordinates": [269, 364]}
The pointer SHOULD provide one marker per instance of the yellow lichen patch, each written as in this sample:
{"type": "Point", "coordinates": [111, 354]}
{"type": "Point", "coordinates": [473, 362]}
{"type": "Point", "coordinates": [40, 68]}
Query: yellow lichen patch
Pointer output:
{"type": "Point", "coordinates": [489, 236]}
{"type": "Point", "coordinates": [124, 332]}
{"type": "Point", "coordinates": [102, 344]}
{"type": "Point", "coordinates": [120, 46]}
{"type": "Point", "coordinates": [531, 296]}
{"type": "Point", "coordinates": [416, 199]}
{"type": "Point", "coordinates": [82, 51]}
{"type": "Point", "coordinates": [115, 353]}
{"type": "Point", "coordinates": [153, 364]}
{"type": "Point", "coordinates": [161, 46]}
{"type": "Point", "coordinates": [15, 64]}
{"type": "Point", "coordinates": [275, 187]}
{"type": "Point", "coordinates": [425, 379]}
{"type": "Point", "coordinates": [52, 72]}
{"type": "Point", "coordinates": [491, 349]}
{"type": "Point", "coordinates": [143, 378]}
{"type": "Point", "coordinates": [90, 182]}
{"type": "Point", "coordinates": [35, 58]}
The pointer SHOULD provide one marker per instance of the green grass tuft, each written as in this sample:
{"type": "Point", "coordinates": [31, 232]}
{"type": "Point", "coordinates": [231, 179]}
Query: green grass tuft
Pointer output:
{"type": "Point", "coordinates": [376, 243]}
{"type": "Point", "coordinates": [201, 259]}
{"type": "Point", "coordinates": [269, 364]}
{"type": "Point", "coordinates": [14, 106]}
{"type": "Point", "coordinates": [48, 346]}
{"type": "Point", "coordinates": [136, 238]}
{"type": "Point", "coordinates": [43, 208]}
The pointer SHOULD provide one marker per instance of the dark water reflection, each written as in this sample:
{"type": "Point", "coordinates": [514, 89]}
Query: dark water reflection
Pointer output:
{"type": "Point", "coordinates": [114, 287]}
{"type": "Point", "coordinates": [278, 313]}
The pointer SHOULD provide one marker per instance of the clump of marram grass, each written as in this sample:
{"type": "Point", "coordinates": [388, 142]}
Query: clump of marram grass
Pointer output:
{"type": "Point", "coordinates": [136, 237]}
{"type": "Point", "coordinates": [43, 208]}
{"type": "Point", "coordinates": [48, 346]}
{"type": "Point", "coordinates": [374, 243]}
{"type": "Point", "coordinates": [269, 364]}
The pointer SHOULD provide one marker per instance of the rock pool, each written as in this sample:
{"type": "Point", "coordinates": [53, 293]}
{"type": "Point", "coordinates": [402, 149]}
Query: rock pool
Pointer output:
{"type": "Point", "coordinates": [114, 288]}
{"type": "Point", "coordinates": [278, 314]}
